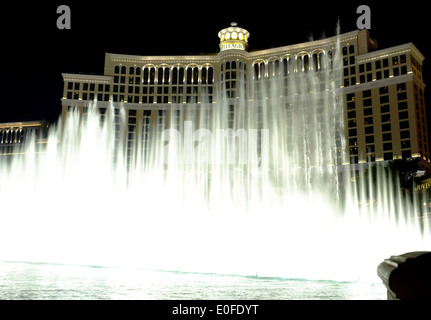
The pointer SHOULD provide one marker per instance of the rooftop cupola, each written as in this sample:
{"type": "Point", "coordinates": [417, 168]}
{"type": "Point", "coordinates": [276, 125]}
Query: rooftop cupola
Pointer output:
{"type": "Point", "coordinates": [233, 38]}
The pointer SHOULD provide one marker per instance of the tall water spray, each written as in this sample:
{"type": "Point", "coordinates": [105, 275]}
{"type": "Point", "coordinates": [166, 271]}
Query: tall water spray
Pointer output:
{"type": "Point", "coordinates": [253, 185]}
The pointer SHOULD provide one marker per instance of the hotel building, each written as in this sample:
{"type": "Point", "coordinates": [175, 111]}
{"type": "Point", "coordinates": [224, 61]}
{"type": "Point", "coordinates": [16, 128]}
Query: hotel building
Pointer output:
{"type": "Point", "coordinates": [383, 89]}
{"type": "Point", "coordinates": [14, 134]}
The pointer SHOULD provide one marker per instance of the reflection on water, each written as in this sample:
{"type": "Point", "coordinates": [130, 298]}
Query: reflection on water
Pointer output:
{"type": "Point", "coordinates": [34, 281]}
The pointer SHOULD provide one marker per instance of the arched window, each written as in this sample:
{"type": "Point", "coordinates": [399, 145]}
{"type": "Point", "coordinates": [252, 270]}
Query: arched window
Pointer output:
{"type": "Point", "coordinates": [189, 75]}
{"type": "Point", "coordinates": [227, 65]}
{"type": "Point", "coordinates": [352, 49]}
{"type": "Point", "coordinates": [195, 75]}
{"type": "Point", "coordinates": [270, 69]}
{"type": "Point", "coordinates": [285, 67]}
{"type": "Point", "coordinates": [344, 51]}
{"type": "Point", "coordinates": [291, 65]}
{"type": "Point", "coordinates": [321, 61]}
{"type": "Point", "coordinates": [146, 75]}
{"type": "Point", "coordinates": [330, 59]}
{"type": "Point", "coordinates": [277, 68]}
{"type": "Point", "coordinates": [138, 71]}
{"type": "Point", "coordinates": [166, 80]}
{"type": "Point", "coordinates": [160, 75]}
{"type": "Point", "coordinates": [117, 69]}
{"type": "Point", "coordinates": [131, 70]}
{"type": "Point", "coordinates": [210, 75]}
{"type": "Point", "coordinates": [204, 75]}
{"type": "Point", "coordinates": [123, 70]}
{"type": "Point", "coordinates": [233, 65]}
{"type": "Point", "coordinates": [181, 76]}
{"type": "Point", "coordinates": [306, 63]}
{"type": "Point", "coordinates": [315, 62]}
{"type": "Point", "coordinates": [262, 70]}
{"type": "Point", "coordinates": [152, 75]}
{"type": "Point", "coordinates": [256, 71]}
{"type": "Point", "coordinates": [175, 75]}
{"type": "Point", "coordinates": [299, 64]}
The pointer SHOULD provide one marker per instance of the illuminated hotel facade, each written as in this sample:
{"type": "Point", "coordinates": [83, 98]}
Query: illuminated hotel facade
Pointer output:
{"type": "Point", "coordinates": [14, 134]}
{"type": "Point", "coordinates": [383, 90]}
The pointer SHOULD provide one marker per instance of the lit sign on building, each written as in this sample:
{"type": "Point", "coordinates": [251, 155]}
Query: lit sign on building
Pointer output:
{"type": "Point", "coordinates": [234, 45]}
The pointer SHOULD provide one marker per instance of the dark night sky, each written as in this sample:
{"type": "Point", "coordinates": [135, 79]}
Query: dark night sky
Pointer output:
{"type": "Point", "coordinates": [35, 52]}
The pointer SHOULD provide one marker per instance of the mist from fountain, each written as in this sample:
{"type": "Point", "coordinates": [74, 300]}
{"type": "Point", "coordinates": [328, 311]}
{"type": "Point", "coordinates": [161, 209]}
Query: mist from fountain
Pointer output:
{"type": "Point", "coordinates": [252, 186]}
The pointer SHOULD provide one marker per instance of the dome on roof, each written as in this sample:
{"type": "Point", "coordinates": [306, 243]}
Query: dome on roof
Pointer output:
{"type": "Point", "coordinates": [233, 38]}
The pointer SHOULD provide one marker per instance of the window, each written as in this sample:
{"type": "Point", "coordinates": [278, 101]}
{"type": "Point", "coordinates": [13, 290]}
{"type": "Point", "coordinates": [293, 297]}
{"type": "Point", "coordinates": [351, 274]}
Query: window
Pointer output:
{"type": "Point", "coordinates": [351, 97]}
{"type": "Point", "coordinates": [189, 75]}
{"type": "Point", "coordinates": [386, 127]}
{"type": "Point", "coordinates": [388, 155]}
{"type": "Point", "coordinates": [402, 105]}
{"type": "Point", "coordinates": [371, 148]}
{"type": "Point", "coordinates": [404, 124]}
{"type": "Point", "coordinates": [387, 146]}
{"type": "Point", "coordinates": [406, 154]}
{"type": "Point", "coordinates": [402, 96]}
{"type": "Point", "coordinates": [387, 136]}
{"type": "Point", "coordinates": [404, 115]}
{"type": "Point", "coordinates": [384, 108]}
{"type": "Point", "coordinates": [152, 75]}
{"type": "Point", "coordinates": [369, 139]}
{"type": "Point", "coordinates": [210, 75]}
{"type": "Point", "coordinates": [160, 76]}
{"type": "Point", "coordinates": [384, 99]}
{"type": "Point", "coordinates": [146, 76]}
{"type": "Point", "coordinates": [386, 118]}
{"type": "Point", "coordinates": [175, 76]}
{"type": "Point", "coordinates": [379, 75]}
{"type": "Point", "coordinates": [383, 90]}
{"type": "Point", "coordinates": [396, 72]}
{"type": "Point", "coordinates": [405, 134]}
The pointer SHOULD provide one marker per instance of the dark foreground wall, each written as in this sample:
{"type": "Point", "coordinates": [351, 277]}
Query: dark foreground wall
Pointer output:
{"type": "Point", "coordinates": [407, 276]}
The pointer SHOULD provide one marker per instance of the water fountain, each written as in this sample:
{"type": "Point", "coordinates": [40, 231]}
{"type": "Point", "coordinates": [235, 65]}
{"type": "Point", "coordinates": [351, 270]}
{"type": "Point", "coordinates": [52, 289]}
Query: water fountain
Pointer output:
{"type": "Point", "coordinates": [265, 194]}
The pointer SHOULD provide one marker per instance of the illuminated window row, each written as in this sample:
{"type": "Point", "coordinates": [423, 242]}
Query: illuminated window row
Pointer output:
{"type": "Point", "coordinates": [164, 75]}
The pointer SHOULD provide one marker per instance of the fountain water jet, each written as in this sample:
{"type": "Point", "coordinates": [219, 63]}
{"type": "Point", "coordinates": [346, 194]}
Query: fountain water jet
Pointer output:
{"type": "Point", "coordinates": [265, 197]}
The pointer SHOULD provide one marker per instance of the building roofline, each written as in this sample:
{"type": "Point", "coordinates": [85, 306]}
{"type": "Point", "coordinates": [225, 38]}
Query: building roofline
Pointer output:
{"type": "Point", "coordinates": [309, 44]}
{"type": "Point", "coordinates": [23, 124]}
{"type": "Point", "coordinates": [85, 77]}
{"type": "Point", "coordinates": [403, 48]}
{"type": "Point", "coordinates": [211, 57]}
